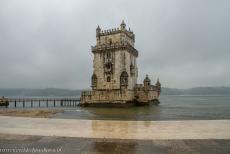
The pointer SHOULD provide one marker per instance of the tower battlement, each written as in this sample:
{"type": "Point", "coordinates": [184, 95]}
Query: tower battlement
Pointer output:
{"type": "Point", "coordinates": [115, 31]}
{"type": "Point", "coordinates": [120, 34]}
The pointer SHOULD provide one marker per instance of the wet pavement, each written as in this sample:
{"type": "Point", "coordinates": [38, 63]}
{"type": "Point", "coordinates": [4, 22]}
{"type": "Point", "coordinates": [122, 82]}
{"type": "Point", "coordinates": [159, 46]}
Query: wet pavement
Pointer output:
{"type": "Point", "coordinates": [114, 129]}
{"type": "Point", "coordinates": [106, 146]}
{"type": "Point", "coordinates": [45, 135]}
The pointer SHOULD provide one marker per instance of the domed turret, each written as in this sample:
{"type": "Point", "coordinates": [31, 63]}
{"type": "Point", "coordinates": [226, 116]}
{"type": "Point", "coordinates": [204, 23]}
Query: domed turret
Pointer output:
{"type": "Point", "coordinates": [98, 30]}
{"type": "Point", "coordinates": [158, 82]}
{"type": "Point", "coordinates": [123, 25]}
{"type": "Point", "coordinates": [147, 81]}
{"type": "Point", "coordinates": [158, 85]}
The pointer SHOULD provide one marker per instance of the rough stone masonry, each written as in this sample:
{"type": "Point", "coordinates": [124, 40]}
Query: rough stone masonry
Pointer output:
{"type": "Point", "coordinates": [115, 72]}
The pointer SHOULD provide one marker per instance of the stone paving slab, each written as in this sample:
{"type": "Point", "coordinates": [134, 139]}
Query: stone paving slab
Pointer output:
{"type": "Point", "coordinates": [113, 129]}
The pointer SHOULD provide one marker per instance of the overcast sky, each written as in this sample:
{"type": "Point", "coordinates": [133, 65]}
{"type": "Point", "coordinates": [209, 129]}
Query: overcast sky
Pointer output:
{"type": "Point", "coordinates": [46, 43]}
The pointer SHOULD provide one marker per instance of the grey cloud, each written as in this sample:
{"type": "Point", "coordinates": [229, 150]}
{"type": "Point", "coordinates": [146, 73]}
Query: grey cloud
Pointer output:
{"type": "Point", "coordinates": [47, 43]}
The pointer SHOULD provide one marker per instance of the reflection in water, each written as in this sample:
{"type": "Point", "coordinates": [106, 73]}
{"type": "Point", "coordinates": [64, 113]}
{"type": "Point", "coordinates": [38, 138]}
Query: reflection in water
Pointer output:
{"type": "Point", "coordinates": [171, 108]}
{"type": "Point", "coordinates": [135, 113]}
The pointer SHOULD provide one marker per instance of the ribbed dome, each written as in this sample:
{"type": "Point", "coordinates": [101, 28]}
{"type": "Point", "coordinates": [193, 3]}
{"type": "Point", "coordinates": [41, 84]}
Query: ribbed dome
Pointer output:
{"type": "Point", "coordinates": [147, 79]}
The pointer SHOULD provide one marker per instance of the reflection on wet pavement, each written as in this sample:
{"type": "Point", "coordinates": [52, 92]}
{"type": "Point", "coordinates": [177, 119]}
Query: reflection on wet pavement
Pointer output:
{"type": "Point", "coordinates": [115, 129]}
{"type": "Point", "coordinates": [114, 146]}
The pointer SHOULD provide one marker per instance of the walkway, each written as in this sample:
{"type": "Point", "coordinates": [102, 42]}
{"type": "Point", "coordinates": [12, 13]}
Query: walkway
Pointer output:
{"type": "Point", "coordinates": [139, 130]}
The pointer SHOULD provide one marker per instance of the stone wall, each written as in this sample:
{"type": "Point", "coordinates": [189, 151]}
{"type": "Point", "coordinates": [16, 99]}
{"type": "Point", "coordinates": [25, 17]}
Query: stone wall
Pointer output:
{"type": "Point", "coordinates": [111, 96]}
{"type": "Point", "coordinates": [121, 62]}
{"type": "Point", "coordinates": [114, 38]}
{"type": "Point", "coordinates": [146, 96]}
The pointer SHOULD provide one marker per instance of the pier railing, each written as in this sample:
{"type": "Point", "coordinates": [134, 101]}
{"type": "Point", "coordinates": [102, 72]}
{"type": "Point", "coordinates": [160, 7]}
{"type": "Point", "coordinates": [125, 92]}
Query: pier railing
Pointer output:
{"type": "Point", "coordinates": [43, 102]}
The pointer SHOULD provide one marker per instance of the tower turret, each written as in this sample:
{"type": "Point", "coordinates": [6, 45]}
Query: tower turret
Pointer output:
{"type": "Point", "coordinates": [98, 30]}
{"type": "Point", "coordinates": [158, 85]}
{"type": "Point", "coordinates": [147, 81]}
{"type": "Point", "coordinates": [123, 25]}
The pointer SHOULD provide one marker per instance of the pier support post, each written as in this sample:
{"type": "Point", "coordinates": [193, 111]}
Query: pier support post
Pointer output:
{"type": "Point", "coordinates": [54, 103]}
{"type": "Point", "coordinates": [23, 103]}
{"type": "Point", "coordinates": [15, 103]}
{"type": "Point", "coordinates": [47, 103]}
{"type": "Point", "coordinates": [31, 103]}
{"type": "Point", "coordinates": [39, 103]}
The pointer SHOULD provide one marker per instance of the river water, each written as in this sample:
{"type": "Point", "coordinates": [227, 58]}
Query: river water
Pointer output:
{"type": "Point", "coordinates": [170, 108]}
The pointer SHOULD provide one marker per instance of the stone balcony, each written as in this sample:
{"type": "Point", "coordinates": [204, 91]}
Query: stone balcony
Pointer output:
{"type": "Point", "coordinates": [114, 46]}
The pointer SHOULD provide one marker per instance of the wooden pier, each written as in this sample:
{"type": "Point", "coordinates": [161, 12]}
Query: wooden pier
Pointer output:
{"type": "Point", "coordinates": [43, 102]}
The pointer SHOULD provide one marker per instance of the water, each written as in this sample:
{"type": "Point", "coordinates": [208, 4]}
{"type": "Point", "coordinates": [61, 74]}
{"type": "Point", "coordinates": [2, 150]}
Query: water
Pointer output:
{"type": "Point", "coordinates": [170, 108]}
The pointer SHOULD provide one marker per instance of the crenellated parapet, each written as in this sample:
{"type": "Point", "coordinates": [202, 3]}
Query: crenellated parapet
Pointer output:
{"type": "Point", "coordinates": [112, 31]}
{"type": "Point", "coordinates": [109, 31]}
{"type": "Point", "coordinates": [146, 86]}
{"type": "Point", "coordinates": [119, 30]}
{"type": "Point", "coordinates": [141, 87]}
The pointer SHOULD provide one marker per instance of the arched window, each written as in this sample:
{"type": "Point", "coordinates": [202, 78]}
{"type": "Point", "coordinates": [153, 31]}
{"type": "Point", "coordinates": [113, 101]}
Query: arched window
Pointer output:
{"type": "Point", "coordinates": [110, 42]}
{"type": "Point", "coordinates": [124, 79]}
{"type": "Point", "coordinates": [108, 68]}
{"type": "Point", "coordinates": [108, 78]}
{"type": "Point", "coordinates": [108, 55]}
{"type": "Point", "coordinates": [94, 81]}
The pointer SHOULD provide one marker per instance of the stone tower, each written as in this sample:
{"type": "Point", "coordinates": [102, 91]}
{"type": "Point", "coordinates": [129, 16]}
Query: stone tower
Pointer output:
{"type": "Point", "coordinates": [114, 77]}
{"type": "Point", "coordinates": [114, 63]}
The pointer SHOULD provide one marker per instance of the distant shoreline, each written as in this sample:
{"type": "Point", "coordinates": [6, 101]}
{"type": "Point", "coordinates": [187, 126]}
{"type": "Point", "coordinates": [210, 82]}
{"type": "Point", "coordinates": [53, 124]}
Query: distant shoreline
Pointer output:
{"type": "Point", "coordinates": [55, 92]}
{"type": "Point", "coordinates": [217, 95]}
